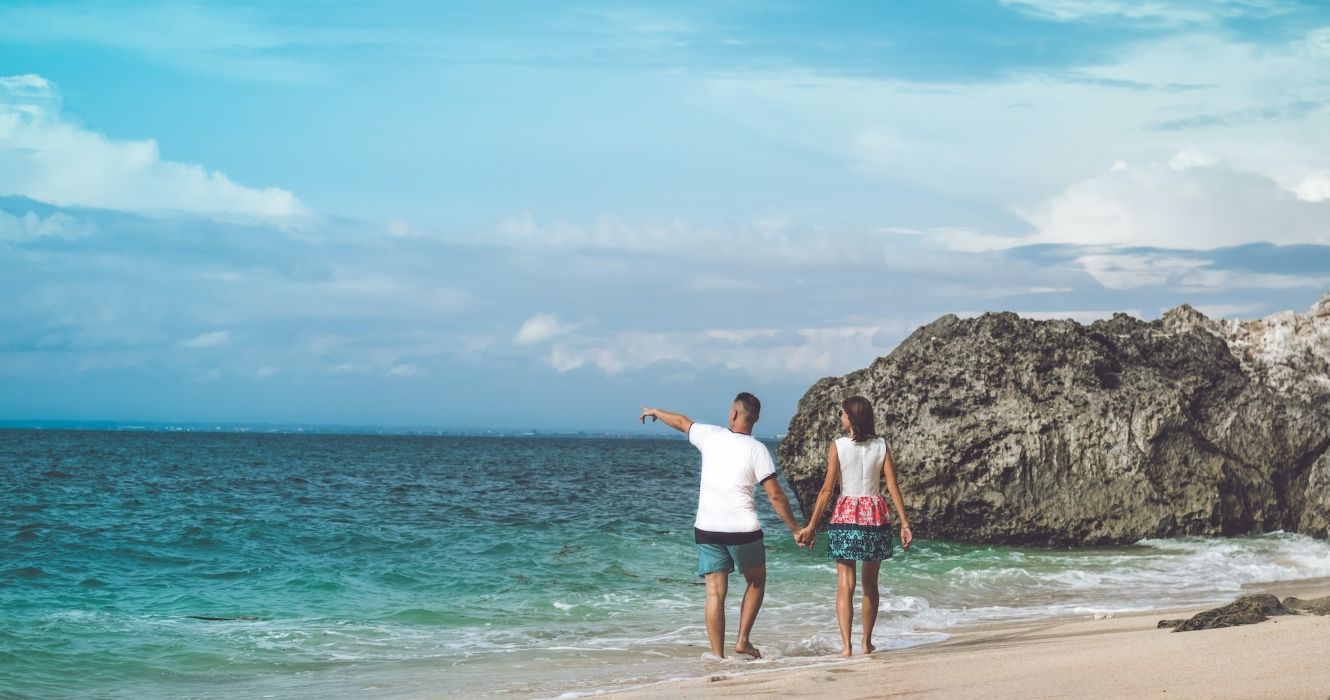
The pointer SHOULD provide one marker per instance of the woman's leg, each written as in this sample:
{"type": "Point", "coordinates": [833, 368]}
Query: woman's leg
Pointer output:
{"type": "Point", "coordinates": [845, 602]}
{"type": "Point", "coordinates": [870, 603]}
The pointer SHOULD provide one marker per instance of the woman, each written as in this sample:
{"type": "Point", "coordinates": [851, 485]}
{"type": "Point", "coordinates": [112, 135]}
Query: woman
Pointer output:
{"type": "Point", "coordinates": [860, 528]}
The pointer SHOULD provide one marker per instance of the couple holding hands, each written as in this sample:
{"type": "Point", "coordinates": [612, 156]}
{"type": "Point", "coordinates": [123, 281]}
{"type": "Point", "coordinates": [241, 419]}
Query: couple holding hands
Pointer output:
{"type": "Point", "coordinates": [728, 535]}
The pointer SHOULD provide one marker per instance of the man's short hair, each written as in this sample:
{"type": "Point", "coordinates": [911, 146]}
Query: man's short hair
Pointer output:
{"type": "Point", "coordinates": [749, 405]}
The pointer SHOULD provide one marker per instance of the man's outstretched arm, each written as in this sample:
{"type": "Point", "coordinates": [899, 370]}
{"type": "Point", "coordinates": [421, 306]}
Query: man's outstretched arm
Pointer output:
{"type": "Point", "coordinates": [678, 421]}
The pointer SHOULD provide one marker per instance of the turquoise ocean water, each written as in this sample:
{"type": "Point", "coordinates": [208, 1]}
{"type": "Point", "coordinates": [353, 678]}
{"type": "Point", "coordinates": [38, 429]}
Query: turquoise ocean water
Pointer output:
{"type": "Point", "coordinates": [404, 566]}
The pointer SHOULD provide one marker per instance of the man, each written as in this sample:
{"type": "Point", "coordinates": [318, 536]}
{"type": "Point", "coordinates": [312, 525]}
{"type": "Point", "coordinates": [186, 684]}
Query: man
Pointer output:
{"type": "Point", "coordinates": [727, 532]}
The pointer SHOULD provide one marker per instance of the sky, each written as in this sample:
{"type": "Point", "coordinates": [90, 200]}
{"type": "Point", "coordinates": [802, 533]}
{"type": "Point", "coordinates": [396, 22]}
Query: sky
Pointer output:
{"type": "Point", "coordinates": [534, 215]}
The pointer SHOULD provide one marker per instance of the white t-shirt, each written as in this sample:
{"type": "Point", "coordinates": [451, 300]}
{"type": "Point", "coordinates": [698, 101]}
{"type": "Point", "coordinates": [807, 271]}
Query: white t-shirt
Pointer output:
{"type": "Point", "coordinates": [732, 465]}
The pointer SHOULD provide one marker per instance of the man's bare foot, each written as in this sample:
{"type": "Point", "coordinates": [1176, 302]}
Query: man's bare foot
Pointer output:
{"type": "Point", "coordinates": [869, 648]}
{"type": "Point", "coordinates": [748, 649]}
{"type": "Point", "coordinates": [846, 652]}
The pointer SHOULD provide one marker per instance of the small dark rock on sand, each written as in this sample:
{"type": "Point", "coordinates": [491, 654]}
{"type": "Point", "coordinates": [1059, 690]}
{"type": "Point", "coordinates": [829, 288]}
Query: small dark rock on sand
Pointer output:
{"type": "Point", "coordinates": [1317, 606]}
{"type": "Point", "coordinates": [1246, 610]}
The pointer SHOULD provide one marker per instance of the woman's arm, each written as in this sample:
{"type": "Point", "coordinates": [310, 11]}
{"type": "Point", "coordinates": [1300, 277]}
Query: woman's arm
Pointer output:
{"type": "Point", "coordinates": [889, 475]}
{"type": "Point", "coordinates": [823, 496]}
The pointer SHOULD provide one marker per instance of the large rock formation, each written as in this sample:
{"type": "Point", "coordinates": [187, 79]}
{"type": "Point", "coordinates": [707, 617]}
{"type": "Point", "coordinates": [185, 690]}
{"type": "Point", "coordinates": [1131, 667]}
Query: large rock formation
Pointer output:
{"type": "Point", "coordinates": [1009, 430]}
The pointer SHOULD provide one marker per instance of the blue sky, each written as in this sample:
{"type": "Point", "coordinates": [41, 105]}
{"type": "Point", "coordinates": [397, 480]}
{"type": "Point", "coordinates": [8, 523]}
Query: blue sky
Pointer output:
{"type": "Point", "coordinates": [544, 215]}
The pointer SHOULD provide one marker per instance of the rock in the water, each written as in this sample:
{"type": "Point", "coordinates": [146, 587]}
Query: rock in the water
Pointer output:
{"type": "Point", "coordinates": [1011, 430]}
{"type": "Point", "coordinates": [1315, 606]}
{"type": "Point", "coordinates": [1246, 610]}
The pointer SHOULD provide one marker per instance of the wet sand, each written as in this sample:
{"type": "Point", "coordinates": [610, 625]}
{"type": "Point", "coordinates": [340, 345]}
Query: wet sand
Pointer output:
{"type": "Point", "coordinates": [1124, 656]}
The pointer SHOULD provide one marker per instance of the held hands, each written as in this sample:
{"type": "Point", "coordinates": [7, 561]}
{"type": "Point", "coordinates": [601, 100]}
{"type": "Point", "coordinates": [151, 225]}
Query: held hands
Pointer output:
{"type": "Point", "coordinates": [806, 537]}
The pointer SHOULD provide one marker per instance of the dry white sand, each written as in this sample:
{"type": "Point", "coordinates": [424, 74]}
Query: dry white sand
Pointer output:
{"type": "Point", "coordinates": [1119, 657]}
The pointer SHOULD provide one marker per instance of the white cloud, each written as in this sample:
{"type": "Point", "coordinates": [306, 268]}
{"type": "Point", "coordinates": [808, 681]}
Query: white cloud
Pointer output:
{"type": "Point", "coordinates": [403, 370]}
{"type": "Point", "coordinates": [1317, 43]}
{"type": "Point", "coordinates": [607, 233]}
{"type": "Point", "coordinates": [266, 371]}
{"type": "Point", "coordinates": [403, 292]}
{"type": "Point", "coordinates": [1193, 203]}
{"type": "Point", "coordinates": [1185, 159]}
{"type": "Point", "coordinates": [781, 238]}
{"type": "Point", "coordinates": [1169, 12]}
{"type": "Point", "coordinates": [208, 340]}
{"type": "Point", "coordinates": [1239, 311]}
{"type": "Point", "coordinates": [30, 226]}
{"type": "Point", "coordinates": [719, 283]}
{"type": "Point", "coordinates": [48, 158]}
{"type": "Point", "coordinates": [617, 353]}
{"type": "Point", "coordinates": [398, 228]}
{"type": "Point", "coordinates": [1130, 271]}
{"type": "Point", "coordinates": [1117, 270]}
{"type": "Point", "coordinates": [391, 350]}
{"type": "Point", "coordinates": [34, 90]}
{"type": "Point", "coordinates": [542, 328]}
{"type": "Point", "coordinates": [1315, 187]}
{"type": "Point", "coordinates": [762, 353]}
{"type": "Point", "coordinates": [962, 240]}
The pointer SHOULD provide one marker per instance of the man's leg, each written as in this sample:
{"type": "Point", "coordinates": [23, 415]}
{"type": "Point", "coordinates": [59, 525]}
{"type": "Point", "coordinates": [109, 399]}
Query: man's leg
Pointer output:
{"type": "Point", "coordinates": [751, 559]}
{"type": "Point", "coordinates": [718, 583]}
{"type": "Point", "coordinates": [757, 589]}
{"type": "Point", "coordinates": [714, 565]}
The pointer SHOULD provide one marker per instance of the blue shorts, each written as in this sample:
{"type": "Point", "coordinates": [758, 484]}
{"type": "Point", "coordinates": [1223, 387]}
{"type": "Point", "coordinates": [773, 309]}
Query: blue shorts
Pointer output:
{"type": "Point", "coordinates": [722, 558]}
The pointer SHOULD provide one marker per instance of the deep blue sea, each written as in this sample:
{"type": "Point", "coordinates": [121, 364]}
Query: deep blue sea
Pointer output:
{"type": "Point", "coordinates": [405, 566]}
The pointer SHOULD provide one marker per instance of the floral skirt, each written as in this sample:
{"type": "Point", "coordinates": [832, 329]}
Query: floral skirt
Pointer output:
{"type": "Point", "coordinates": [860, 529]}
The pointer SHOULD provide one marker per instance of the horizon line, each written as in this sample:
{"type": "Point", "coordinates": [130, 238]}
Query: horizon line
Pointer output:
{"type": "Point", "coordinates": [271, 428]}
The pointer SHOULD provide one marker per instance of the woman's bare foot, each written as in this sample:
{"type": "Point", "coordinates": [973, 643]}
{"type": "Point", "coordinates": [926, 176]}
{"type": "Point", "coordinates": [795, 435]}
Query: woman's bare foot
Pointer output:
{"type": "Point", "coordinates": [749, 649]}
{"type": "Point", "coordinates": [846, 652]}
{"type": "Point", "coordinates": [869, 648]}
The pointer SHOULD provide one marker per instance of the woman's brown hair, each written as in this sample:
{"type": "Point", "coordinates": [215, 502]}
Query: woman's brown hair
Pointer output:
{"type": "Point", "coordinates": [861, 418]}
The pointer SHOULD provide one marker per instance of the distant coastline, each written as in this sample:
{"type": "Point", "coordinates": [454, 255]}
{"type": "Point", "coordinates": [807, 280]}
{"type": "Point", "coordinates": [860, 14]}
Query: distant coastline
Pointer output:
{"type": "Point", "coordinates": [322, 429]}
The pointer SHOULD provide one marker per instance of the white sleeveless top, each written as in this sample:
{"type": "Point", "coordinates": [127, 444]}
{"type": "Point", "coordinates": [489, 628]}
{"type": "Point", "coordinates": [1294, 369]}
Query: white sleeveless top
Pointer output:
{"type": "Point", "coordinates": [861, 466]}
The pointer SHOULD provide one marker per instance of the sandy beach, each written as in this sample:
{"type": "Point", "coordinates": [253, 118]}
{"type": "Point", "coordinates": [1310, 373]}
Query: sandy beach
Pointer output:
{"type": "Point", "coordinates": [1124, 656]}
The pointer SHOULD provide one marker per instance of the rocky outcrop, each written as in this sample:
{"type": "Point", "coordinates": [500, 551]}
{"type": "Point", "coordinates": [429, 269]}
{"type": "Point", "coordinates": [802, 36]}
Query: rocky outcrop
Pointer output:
{"type": "Point", "coordinates": [1010, 430]}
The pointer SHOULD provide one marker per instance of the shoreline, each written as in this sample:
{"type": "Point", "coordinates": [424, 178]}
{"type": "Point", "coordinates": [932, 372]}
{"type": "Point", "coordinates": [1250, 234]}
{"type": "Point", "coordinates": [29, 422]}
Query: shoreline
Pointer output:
{"type": "Point", "coordinates": [1120, 655]}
